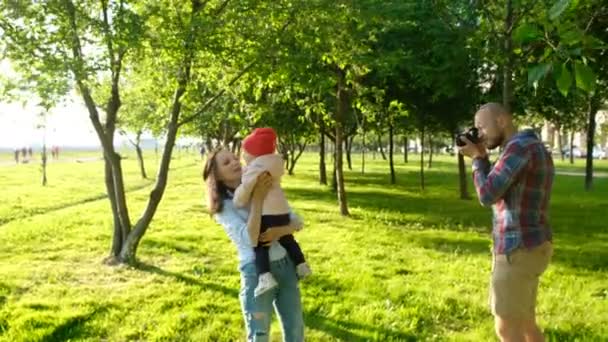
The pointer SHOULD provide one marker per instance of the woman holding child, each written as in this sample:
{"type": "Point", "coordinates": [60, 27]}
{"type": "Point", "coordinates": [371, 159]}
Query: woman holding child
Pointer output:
{"type": "Point", "coordinates": [261, 226]}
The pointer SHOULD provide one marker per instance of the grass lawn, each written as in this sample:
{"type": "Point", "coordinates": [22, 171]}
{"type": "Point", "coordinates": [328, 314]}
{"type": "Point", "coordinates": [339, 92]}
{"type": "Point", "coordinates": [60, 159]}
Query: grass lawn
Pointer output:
{"type": "Point", "coordinates": [407, 265]}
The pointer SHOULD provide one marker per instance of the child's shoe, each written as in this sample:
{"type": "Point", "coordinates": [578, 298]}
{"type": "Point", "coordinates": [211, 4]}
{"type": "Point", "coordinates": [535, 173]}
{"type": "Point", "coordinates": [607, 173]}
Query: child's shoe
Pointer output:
{"type": "Point", "coordinates": [266, 282]}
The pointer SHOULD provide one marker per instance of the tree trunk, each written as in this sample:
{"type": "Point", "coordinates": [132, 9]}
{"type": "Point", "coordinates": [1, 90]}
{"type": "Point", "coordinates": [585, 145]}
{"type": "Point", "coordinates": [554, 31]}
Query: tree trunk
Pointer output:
{"type": "Point", "coordinates": [287, 160]}
{"type": "Point", "coordinates": [44, 157]}
{"type": "Point", "coordinates": [390, 154]}
{"type": "Point", "coordinates": [342, 107]}
{"type": "Point", "coordinates": [334, 178]}
{"type": "Point", "coordinates": [208, 143]}
{"type": "Point", "coordinates": [140, 155]}
{"type": "Point", "coordinates": [381, 147]}
{"type": "Point", "coordinates": [119, 235]}
{"type": "Point", "coordinates": [44, 179]}
{"type": "Point", "coordinates": [295, 156]}
{"type": "Point", "coordinates": [560, 146]}
{"type": "Point", "coordinates": [363, 155]}
{"type": "Point", "coordinates": [129, 248]}
{"type": "Point", "coordinates": [422, 158]}
{"type": "Point", "coordinates": [130, 245]}
{"type": "Point", "coordinates": [140, 159]}
{"type": "Point", "coordinates": [571, 147]}
{"type": "Point", "coordinates": [462, 176]}
{"type": "Point", "coordinates": [322, 168]}
{"type": "Point", "coordinates": [430, 151]}
{"type": "Point", "coordinates": [405, 148]}
{"type": "Point", "coordinates": [593, 108]}
{"type": "Point", "coordinates": [507, 91]}
{"type": "Point", "coordinates": [348, 142]}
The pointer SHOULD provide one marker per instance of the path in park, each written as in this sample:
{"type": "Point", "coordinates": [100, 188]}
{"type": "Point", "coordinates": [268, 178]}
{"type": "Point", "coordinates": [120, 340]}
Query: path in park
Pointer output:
{"type": "Point", "coordinates": [50, 161]}
{"type": "Point", "coordinates": [581, 174]}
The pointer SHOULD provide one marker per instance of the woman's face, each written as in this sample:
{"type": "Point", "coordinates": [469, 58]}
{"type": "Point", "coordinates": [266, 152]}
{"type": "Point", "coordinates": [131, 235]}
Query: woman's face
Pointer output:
{"type": "Point", "coordinates": [228, 167]}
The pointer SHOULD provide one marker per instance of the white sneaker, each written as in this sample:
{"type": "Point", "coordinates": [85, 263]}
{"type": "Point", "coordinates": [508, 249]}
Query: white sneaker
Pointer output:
{"type": "Point", "coordinates": [303, 270]}
{"type": "Point", "coordinates": [266, 282]}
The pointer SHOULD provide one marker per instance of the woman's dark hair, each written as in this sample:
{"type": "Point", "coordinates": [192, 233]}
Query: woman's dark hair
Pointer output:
{"type": "Point", "coordinates": [217, 191]}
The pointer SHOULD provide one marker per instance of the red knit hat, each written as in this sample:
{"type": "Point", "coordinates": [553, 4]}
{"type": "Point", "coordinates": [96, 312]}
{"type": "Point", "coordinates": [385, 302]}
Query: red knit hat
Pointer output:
{"type": "Point", "coordinates": [260, 142]}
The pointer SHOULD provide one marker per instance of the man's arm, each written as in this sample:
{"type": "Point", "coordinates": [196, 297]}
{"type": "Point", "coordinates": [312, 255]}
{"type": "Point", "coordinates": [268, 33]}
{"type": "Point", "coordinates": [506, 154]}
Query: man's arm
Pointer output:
{"type": "Point", "coordinates": [492, 185]}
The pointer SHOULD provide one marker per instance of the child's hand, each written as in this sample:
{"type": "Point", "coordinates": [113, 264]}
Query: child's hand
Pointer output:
{"type": "Point", "coordinates": [262, 186]}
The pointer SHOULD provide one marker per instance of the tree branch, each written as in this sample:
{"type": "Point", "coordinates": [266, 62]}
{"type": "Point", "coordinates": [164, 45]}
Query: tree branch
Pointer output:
{"type": "Point", "coordinates": [588, 26]}
{"type": "Point", "coordinates": [221, 8]}
{"type": "Point", "coordinates": [491, 19]}
{"type": "Point", "coordinates": [234, 79]}
{"type": "Point", "coordinates": [521, 14]}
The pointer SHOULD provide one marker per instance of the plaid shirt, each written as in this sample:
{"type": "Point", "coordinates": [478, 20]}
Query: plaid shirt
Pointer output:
{"type": "Point", "coordinates": [518, 188]}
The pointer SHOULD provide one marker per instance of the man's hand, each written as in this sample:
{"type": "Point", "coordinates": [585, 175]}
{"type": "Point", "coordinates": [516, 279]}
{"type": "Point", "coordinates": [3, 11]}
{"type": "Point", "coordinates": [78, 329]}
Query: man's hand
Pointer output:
{"type": "Point", "coordinates": [472, 150]}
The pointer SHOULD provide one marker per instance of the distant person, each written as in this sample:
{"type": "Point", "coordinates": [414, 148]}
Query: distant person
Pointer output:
{"type": "Point", "coordinates": [202, 151]}
{"type": "Point", "coordinates": [55, 152]}
{"type": "Point", "coordinates": [518, 186]}
{"type": "Point", "coordinates": [29, 152]}
{"type": "Point", "coordinates": [17, 155]}
{"type": "Point", "coordinates": [23, 154]}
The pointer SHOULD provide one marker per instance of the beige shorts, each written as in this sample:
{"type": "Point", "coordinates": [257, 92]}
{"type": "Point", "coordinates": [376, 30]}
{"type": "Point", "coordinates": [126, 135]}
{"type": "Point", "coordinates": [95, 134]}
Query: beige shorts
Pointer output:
{"type": "Point", "coordinates": [514, 281]}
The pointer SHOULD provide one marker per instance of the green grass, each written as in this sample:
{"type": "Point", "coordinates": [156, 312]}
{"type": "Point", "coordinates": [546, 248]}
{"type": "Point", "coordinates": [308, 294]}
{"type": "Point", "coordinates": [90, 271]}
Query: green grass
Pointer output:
{"type": "Point", "coordinates": [407, 265]}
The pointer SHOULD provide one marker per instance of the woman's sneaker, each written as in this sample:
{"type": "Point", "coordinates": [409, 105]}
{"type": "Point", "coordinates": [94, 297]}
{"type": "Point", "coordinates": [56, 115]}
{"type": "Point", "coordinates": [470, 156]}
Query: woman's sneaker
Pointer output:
{"type": "Point", "coordinates": [266, 282]}
{"type": "Point", "coordinates": [303, 270]}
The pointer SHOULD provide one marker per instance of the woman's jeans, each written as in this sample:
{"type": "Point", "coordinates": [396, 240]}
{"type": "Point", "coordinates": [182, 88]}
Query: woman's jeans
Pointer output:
{"type": "Point", "coordinates": [285, 297]}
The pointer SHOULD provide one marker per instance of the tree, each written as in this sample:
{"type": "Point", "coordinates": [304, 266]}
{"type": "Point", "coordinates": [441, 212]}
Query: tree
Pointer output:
{"type": "Point", "coordinates": [49, 90]}
{"type": "Point", "coordinates": [142, 109]}
{"type": "Point", "coordinates": [95, 41]}
{"type": "Point", "coordinates": [280, 111]}
{"type": "Point", "coordinates": [569, 41]}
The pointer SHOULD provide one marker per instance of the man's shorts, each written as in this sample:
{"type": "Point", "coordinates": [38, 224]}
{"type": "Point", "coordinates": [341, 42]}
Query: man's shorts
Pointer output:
{"type": "Point", "coordinates": [514, 282]}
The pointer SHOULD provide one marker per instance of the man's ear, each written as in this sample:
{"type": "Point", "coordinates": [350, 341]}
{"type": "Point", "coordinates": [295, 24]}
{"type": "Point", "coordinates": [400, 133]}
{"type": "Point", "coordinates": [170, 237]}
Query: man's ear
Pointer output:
{"type": "Point", "coordinates": [501, 121]}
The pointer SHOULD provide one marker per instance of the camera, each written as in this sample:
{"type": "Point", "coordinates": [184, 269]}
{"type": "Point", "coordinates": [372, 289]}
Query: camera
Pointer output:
{"type": "Point", "coordinates": [472, 134]}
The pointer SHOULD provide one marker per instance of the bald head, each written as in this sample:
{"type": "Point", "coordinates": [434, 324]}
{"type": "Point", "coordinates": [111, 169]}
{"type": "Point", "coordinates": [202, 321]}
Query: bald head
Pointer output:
{"type": "Point", "coordinates": [495, 124]}
{"type": "Point", "coordinates": [494, 109]}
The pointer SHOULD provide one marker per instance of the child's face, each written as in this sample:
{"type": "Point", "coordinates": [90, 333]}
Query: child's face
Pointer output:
{"type": "Point", "coordinates": [248, 158]}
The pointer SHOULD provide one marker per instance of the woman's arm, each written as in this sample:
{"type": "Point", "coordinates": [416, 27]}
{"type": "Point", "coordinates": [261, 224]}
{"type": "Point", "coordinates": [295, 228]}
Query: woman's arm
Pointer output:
{"type": "Point", "coordinates": [255, 211]}
{"type": "Point", "coordinates": [278, 232]}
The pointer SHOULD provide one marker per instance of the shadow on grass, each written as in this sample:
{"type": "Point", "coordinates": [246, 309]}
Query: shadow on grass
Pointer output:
{"type": "Point", "coordinates": [187, 279]}
{"type": "Point", "coordinates": [576, 333]}
{"type": "Point", "coordinates": [329, 289]}
{"type": "Point", "coordinates": [165, 245]}
{"type": "Point", "coordinates": [402, 208]}
{"type": "Point", "coordinates": [424, 319]}
{"type": "Point", "coordinates": [75, 327]}
{"type": "Point", "coordinates": [29, 213]}
{"type": "Point", "coordinates": [570, 255]}
{"type": "Point", "coordinates": [344, 330]}
{"type": "Point", "coordinates": [390, 207]}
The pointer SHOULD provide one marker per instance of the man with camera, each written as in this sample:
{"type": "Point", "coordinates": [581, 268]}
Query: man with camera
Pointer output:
{"type": "Point", "coordinates": [518, 187]}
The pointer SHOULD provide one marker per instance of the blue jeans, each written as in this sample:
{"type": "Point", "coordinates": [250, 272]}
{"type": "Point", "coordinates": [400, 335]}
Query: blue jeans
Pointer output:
{"type": "Point", "coordinates": [257, 312]}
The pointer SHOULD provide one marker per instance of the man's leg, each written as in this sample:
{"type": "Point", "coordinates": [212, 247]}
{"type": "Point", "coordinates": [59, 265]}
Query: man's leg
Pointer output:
{"type": "Point", "coordinates": [509, 330]}
{"type": "Point", "coordinates": [514, 290]}
{"type": "Point", "coordinates": [532, 331]}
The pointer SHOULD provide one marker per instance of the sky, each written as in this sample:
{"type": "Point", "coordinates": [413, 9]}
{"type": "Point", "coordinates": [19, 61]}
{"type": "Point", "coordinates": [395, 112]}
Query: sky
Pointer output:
{"type": "Point", "coordinates": [67, 125]}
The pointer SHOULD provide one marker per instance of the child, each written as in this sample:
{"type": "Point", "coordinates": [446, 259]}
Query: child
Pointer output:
{"type": "Point", "coordinates": [259, 155]}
